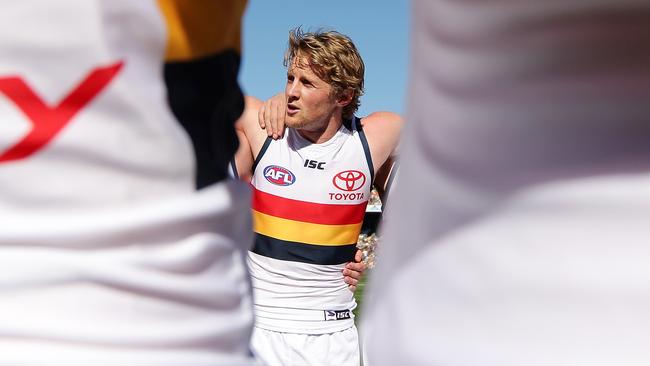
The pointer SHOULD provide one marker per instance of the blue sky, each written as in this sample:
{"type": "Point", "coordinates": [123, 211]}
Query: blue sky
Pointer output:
{"type": "Point", "coordinates": [380, 29]}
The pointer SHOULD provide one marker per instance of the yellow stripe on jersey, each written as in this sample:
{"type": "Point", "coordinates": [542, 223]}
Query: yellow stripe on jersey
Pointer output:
{"type": "Point", "coordinates": [199, 28]}
{"type": "Point", "coordinates": [304, 232]}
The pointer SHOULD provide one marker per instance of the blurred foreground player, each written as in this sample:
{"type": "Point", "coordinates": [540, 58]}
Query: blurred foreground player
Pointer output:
{"type": "Point", "coordinates": [120, 241]}
{"type": "Point", "coordinates": [519, 234]}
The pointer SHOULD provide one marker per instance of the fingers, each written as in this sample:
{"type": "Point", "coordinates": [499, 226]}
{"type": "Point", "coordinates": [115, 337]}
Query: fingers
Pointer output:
{"type": "Point", "coordinates": [275, 120]}
{"type": "Point", "coordinates": [354, 269]}
{"type": "Point", "coordinates": [271, 116]}
{"type": "Point", "coordinates": [357, 256]}
{"type": "Point", "coordinates": [265, 118]}
{"type": "Point", "coordinates": [260, 116]}
{"type": "Point", "coordinates": [278, 107]}
{"type": "Point", "coordinates": [268, 120]}
{"type": "Point", "coordinates": [352, 282]}
{"type": "Point", "coordinates": [282, 115]}
{"type": "Point", "coordinates": [352, 274]}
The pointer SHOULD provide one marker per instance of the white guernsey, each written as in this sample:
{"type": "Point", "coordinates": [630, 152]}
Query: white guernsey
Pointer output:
{"type": "Point", "coordinates": [518, 233]}
{"type": "Point", "coordinates": [108, 252]}
{"type": "Point", "coordinates": [308, 206]}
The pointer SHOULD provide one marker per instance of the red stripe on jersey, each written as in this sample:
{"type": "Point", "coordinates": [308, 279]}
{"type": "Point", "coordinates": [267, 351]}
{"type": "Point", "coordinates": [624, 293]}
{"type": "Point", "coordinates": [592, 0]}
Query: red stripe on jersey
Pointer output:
{"type": "Point", "coordinates": [316, 213]}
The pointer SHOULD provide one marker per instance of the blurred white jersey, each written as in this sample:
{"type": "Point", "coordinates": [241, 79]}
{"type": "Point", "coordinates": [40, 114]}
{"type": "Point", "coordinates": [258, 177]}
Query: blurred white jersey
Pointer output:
{"type": "Point", "coordinates": [518, 233]}
{"type": "Point", "coordinates": [108, 252]}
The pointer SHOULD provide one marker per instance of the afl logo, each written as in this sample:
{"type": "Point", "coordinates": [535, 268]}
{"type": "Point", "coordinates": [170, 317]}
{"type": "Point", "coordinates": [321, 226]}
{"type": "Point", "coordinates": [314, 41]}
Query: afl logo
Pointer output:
{"type": "Point", "coordinates": [349, 180]}
{"type": "Point", "coordinates": [279, 176]}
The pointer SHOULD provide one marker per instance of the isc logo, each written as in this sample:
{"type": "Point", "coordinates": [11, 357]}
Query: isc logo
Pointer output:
{"type": "Point", "coordinates": [278, 175]}
{"type": "Point", "coordinates": [337, 314]}
{"type": "Point", "coordinates": [314, 164]}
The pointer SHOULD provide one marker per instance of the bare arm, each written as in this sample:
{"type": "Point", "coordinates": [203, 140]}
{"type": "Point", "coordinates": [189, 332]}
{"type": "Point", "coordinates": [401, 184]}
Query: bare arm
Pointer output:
{"type": "Point", "coordinates": [353, 272]}
{"type": "Point", "coordinates": [383, 176]}
{"type": "Point", "coordinates": [243, 157]}
{"type": "Point", "coordinates": [383, 130]}
{"type": "Point", "coordinates": [251, 137]}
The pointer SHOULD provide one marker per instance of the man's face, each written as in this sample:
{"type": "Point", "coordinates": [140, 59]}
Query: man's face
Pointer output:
{"type": "Point", "coordinates": [310, 104]}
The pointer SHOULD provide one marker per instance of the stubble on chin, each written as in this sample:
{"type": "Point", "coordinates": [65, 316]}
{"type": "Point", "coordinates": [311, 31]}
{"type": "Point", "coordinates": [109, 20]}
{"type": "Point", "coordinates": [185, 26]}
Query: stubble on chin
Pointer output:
{"type": "Point", "coordinates": [295, 123]}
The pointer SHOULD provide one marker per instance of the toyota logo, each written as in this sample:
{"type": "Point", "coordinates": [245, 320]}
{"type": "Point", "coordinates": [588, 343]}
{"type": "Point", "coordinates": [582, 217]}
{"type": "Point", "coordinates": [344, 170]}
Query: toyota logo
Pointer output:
{"type": "Point", "coordinates": [349, 180]}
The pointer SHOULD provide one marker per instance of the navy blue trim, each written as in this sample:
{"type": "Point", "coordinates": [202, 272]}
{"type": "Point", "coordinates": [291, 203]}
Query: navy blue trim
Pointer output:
{"type": "Point", "coordinates": [348, 124]}
{"type": "Point", "coordinates": [389, 183]}
{"type": "Point", "coordinates": [305, 253]}
{"type": "Point", "coordinates": [267, 142]}
{"type": "Point", "coordinates": [366, 148]}
{"type": "Point", "coordinates": [233, 167]}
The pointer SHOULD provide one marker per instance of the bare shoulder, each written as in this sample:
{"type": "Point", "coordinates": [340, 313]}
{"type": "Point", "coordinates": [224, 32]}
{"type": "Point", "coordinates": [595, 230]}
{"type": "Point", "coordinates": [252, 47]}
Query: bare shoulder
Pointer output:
{"type": "Point", "coordinates": [248, 118]}
{"type": "Point", "coordinates": [382, 118]}
{"type": "Point", "coordinates": [382, 130]}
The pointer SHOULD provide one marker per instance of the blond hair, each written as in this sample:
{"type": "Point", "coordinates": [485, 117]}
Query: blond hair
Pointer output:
{"type": "Point", "coordinates": [334, 58]}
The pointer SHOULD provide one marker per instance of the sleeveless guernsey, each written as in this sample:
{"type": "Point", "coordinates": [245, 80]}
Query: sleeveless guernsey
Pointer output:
{"type": "Point", "coordinates": [308, 206]}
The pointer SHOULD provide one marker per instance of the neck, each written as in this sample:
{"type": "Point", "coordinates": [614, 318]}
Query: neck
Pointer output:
{"type": "Point", "coordinates": [324, 134]}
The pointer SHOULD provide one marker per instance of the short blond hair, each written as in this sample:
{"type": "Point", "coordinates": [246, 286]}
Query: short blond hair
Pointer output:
{"type": "Point", "coordinates": [334, 58]}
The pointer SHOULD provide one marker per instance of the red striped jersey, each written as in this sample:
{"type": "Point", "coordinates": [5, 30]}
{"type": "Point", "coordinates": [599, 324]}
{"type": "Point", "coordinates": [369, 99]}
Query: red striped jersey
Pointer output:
{"type": "Point", "coordinates": [308, 206]}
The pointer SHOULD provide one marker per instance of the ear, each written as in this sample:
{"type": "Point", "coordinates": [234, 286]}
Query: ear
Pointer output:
{"type": "Point", "coordinates": [345, 98]}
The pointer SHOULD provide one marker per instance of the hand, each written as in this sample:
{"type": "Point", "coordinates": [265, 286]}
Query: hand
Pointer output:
{"type": "Point", "coordinates": [272, 114]}
{"type": "Point", "coordinates": [353, 272]}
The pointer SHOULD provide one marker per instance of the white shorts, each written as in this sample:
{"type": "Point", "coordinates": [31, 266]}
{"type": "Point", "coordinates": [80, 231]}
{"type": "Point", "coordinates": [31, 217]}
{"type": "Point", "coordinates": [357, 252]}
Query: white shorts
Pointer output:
{"type": "Point", "coordinates": [289, 349]}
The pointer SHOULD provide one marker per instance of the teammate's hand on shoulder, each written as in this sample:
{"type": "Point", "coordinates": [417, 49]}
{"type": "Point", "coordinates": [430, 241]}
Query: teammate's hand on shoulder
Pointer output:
{"type": "Point", "coordinates": [271, 115]}
{"type": "Point", "coordinates": [353, 272]}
